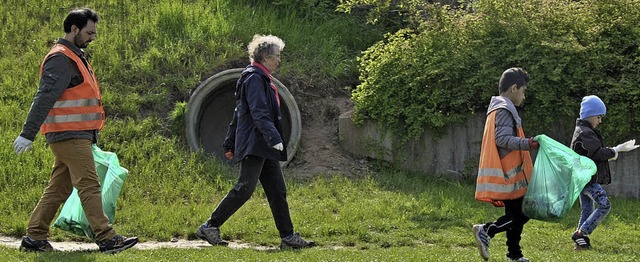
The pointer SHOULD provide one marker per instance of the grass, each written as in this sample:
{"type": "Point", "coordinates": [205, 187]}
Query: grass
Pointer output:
{"type": "Point", "coordinates": [388, 215]}
{"type": "Point", "coordinates": [151, 54]}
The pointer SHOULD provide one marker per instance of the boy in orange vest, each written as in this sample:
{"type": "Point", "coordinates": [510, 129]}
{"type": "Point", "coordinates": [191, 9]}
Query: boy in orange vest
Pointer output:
{"type": "Point", "coordinates": [505, 165]}
{"type": "Point", "coordinates": [587, 141]}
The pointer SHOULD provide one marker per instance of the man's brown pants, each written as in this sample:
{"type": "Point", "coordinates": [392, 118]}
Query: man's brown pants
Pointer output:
{"type": "Point", "coordinates": [74, 167]}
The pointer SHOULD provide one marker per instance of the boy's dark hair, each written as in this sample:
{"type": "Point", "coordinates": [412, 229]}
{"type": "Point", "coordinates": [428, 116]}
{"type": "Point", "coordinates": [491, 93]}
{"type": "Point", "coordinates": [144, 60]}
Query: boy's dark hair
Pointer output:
{"type": "Point", "coordinates": [79, 17]}
{"type": "Point", "coordinates": [513, 76]}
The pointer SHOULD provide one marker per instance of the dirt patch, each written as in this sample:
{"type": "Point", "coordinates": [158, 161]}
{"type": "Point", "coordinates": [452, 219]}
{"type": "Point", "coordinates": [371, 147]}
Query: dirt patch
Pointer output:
{"type": "Point", "coordinates": [319, 152]}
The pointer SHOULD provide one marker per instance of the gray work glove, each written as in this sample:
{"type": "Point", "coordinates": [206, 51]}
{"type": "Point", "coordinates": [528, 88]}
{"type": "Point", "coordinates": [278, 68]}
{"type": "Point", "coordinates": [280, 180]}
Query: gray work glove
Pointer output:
{"type": "Point", "coordinates": [22, 144]}
{"type": "Point", "coordinates": [279, 146]}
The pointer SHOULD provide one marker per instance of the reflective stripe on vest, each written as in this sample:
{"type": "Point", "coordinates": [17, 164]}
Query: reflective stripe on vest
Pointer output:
{"type": "Point", "coordinates": [501, 179]}
{"type": "Point", "coordinates": [79, 107]}
{"type": "Point", "coordinates": [77, 102]}
{"type": "Point", "coordinates": [73, 118]}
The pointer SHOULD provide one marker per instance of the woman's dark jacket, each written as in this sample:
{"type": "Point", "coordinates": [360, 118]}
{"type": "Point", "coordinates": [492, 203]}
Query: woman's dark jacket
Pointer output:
{"type": "Point", "coordinates": [256, 126]}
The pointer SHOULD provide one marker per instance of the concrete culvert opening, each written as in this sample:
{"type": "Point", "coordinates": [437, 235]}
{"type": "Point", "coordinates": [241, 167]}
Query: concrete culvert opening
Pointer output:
{"type": "Point", "coordinates": [210, 110]}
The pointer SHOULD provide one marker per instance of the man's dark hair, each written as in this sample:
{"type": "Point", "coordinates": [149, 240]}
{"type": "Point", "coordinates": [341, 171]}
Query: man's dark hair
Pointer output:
{"type": "Point", "coordinates": [79, 17]}
{"type": "Point", "coordinates": [513, 76]}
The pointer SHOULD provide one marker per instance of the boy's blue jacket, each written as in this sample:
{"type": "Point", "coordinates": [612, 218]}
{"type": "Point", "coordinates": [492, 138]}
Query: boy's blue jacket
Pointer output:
{"type": "Point", "coordinates": [587, 141]}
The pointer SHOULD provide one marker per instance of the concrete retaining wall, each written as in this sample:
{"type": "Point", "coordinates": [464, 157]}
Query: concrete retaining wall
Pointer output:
{"type": "Point", "coordinates": [456, 153]}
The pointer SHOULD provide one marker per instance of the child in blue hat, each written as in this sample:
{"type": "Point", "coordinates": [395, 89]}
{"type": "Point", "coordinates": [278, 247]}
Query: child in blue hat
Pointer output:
{"type": "Point", "coordinates": [587, 141]}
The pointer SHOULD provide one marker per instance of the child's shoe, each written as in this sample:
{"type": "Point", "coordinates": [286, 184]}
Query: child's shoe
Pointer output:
{"type": "Point", "coordinates": [482, 240]}
{"type": "Point", "coordinates": [521, 259]}
{"type": "Point", "coordinates": [581, 240]}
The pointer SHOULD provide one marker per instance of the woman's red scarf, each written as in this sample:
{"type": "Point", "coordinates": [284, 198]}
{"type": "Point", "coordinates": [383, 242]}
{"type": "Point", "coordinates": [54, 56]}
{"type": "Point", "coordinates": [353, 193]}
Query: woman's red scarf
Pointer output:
{"type": "Point", "coordinates": [263, 68]}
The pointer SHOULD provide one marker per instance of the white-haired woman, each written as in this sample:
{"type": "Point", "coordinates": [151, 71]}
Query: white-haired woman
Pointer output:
{"type": "Point", "coordinates": [255, 140]}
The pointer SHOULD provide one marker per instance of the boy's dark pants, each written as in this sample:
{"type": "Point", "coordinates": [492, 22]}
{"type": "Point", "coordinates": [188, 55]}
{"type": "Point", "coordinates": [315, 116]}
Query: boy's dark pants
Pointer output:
{"type": "Point", "coordinates": [512, 222]}
{"type": "Point", "coordinates": [252, 169]}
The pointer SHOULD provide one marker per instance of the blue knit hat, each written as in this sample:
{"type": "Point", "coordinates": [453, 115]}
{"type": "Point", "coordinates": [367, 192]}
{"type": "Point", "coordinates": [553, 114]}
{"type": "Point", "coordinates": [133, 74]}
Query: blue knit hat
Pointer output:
{"type": "Point", "coordinates": [592, 106]}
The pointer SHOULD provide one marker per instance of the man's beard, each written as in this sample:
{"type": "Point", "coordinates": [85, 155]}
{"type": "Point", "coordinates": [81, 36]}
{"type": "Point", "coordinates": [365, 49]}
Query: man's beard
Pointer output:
{"type": "Point", "coordinates": [81, 45]}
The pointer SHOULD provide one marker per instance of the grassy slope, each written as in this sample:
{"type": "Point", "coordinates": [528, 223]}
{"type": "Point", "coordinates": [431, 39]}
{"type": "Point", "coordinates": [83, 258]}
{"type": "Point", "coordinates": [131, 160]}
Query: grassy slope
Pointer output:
{"type": "Point", "coordinates": [146, 54]}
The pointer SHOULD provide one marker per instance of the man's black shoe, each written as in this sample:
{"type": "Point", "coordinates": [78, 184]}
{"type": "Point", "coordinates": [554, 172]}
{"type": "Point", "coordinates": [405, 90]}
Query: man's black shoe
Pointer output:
{"type": "Point", "coordinates": [117, 244]}
{"type": "Point", "coordinates": [31, 245]}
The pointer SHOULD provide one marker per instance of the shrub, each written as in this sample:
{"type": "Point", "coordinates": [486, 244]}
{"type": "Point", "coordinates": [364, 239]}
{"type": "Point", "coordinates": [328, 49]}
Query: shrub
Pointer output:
{"type": "Point", "coordinates": [448, 68]}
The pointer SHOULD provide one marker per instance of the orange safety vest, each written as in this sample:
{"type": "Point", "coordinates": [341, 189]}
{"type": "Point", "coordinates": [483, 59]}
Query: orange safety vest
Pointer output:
{"type": "Point", "coordinates": [501, 179]}
{"type": "Point", "coordinates": [79, 107]}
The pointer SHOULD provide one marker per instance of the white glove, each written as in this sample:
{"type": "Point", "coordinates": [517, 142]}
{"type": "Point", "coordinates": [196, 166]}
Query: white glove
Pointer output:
{"type": "Point", "coordinates": [21, 144]}
{"type": "Point", "coordinates": [626, 146]}
{"type": "Point", "coordinates": [614, 157]}
{"type": "Point", "coordinates": [279, 146]}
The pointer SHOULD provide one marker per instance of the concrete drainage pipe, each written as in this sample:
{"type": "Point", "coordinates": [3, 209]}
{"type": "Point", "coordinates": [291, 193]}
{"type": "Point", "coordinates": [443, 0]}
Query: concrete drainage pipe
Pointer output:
{"type": "Point", "coordinates": [210, 110]}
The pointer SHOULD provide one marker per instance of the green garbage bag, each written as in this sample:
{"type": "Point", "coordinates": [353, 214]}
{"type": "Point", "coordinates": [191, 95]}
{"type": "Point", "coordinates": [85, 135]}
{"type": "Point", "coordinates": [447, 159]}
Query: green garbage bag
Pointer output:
{"type": "Point", "coordinates": [111, 176]}
{"type": "Point", "coordinates": [559, 174]}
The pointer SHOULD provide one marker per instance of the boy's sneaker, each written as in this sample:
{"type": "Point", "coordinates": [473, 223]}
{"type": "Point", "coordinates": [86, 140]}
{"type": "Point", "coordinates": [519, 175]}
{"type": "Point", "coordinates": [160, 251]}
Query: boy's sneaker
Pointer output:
{"type": "Point", "coordinates": [117, 244]}
{"type": "Point", "coordinates": [29, 244]}
{"type": "Point", "coordinates": [483, 240]}
{"type": "Point", "coordinates": [210, 234]}
{"type": "Point", "coordinates": [581, 240]}
{"type": "Point", "coordinates": [521, 259]}
{"type": "Point", "coordinates": [295, 242]}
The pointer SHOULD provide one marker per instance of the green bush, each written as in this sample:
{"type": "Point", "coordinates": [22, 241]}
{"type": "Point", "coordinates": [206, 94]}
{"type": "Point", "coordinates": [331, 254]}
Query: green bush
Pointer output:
{"type": "Point", "coordinates": [448, 68]}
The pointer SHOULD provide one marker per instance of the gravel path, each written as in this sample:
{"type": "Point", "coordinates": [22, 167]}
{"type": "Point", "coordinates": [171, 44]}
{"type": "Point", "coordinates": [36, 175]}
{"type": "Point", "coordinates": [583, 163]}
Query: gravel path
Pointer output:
{"type": "Point", "coordinates": [178, 243]}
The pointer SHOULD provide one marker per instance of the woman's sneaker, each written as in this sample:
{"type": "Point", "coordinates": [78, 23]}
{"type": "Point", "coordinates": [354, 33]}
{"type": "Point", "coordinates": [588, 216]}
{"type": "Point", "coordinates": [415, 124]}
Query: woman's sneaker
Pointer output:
{"type": "Point", "coordinates": [29, 244]}
{"type": "Point", "coordinates": [117, 244]}
{"type": "Point", "coordinates": [581, 241]}
{"type": "Point", "coordinates": [295, 242]}
{"type": "Point", "coordinates": [211, 234]}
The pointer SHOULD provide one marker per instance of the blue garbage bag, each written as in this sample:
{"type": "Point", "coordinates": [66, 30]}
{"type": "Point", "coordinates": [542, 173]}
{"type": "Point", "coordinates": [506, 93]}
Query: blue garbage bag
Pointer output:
{"type": "Point", "coordinates": [559, 174]}
{"type": "Point", "coordinates": [112, 177]}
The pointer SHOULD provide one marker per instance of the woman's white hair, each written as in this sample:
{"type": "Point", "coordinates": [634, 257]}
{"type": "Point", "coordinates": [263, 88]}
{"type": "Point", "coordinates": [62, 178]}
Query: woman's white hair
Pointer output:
{"type": "Point", "coordinates": [262, 46]}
